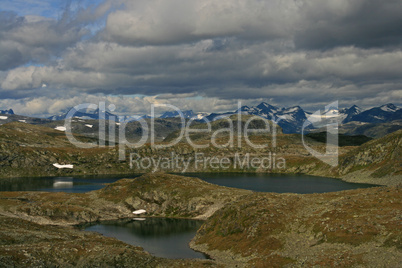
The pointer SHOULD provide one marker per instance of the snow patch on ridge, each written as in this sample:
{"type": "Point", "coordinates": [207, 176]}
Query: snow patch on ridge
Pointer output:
{"type": "Point", "coordinates": [63, 166]}
{"type": "Point", "coordinates": [60, 128]}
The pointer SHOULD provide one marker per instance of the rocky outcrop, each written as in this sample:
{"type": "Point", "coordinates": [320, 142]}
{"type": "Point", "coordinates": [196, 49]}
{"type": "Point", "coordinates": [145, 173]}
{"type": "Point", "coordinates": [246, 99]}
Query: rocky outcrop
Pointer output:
{"type": "Point", "coordinates": [159, 194]}
{"type": "Point", "coordinates": [170, 195]}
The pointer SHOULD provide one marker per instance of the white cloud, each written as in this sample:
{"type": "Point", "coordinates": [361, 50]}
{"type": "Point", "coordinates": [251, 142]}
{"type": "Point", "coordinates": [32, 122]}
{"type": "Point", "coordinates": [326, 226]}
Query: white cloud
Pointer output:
{"type": "Point", "coordinates": [304, 51]}
{"type": "Point", "coordinates": [177, 21]}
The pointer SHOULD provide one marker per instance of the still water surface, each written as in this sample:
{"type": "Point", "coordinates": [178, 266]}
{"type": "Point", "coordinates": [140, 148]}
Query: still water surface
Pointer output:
{"type": "Point", "coordinates": [162, 237]}
{"type": "Point", "coordinates": [278, 183]}
{"type": "Point", "coordinates": [60, 184]}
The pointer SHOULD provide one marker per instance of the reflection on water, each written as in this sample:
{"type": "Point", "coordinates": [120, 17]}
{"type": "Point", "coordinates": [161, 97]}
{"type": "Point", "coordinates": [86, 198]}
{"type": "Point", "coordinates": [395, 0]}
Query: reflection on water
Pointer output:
{"type": "Point", "coordinates": [162, 237]}
{"type": "Point", "coordinates": [63, 182]}
{"type": "Point", "coordinates": [60, 184]}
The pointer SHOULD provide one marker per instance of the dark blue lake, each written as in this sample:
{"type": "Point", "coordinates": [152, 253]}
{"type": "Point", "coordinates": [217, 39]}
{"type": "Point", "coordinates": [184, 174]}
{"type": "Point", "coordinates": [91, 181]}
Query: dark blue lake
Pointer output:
{"type": "Point", "coordinates": [74, 184]}
{"type": "Point", "coordinates": [278, 183]}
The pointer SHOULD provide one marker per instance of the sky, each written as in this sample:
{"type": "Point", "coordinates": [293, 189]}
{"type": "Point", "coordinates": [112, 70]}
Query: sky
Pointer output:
{"type": "Point", "coordinates": [202, 55]}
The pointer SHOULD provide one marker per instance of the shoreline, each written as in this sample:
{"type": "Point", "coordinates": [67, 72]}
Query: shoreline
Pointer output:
{"type": "Point", "coordinates": [356, 177]}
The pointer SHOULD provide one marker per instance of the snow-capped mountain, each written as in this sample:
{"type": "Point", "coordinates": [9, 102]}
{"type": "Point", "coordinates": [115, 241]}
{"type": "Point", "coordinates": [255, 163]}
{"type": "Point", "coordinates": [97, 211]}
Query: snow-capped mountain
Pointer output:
{"type": "Point", "coordinates": [129, 118]}
{"type": "Point", "coordinates": [189, 114]}
{"type": "Point", "coordinates": [340, 115]}
{"type": "Point", "coordinates": [96, 114]}
{"type": "Point", "coordinates": [348, 113]}
{"type": "Point", "coordinates": [264, 110]}
{"type": "Point", "coordinates": [293, 118]}
{"type": "Point", "coordinates": [10, 111]}
{"type": "Point", "coordinates": [289, 119]}
{"type": "Point", "coordinates": [89, 114]}
{"type": "Point", "coordinates": [382, 114]}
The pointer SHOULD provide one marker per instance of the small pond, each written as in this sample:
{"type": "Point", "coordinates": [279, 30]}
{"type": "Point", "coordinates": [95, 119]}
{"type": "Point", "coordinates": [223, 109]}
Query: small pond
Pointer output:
{"type": "Point", "coordinates": [162, 237]}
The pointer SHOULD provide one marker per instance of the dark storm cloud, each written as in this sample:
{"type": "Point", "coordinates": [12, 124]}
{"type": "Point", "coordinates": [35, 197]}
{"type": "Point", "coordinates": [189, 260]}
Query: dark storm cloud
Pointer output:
{"type": "Point", "coordinates": [366, 24]}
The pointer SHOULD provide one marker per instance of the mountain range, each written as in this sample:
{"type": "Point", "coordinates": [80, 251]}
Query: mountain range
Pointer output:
{"type": "Point", "coordinates": [189, 114]}
{"type": "Point", "coordinates": [290, 119]}
{"type": "Point", "coordinates": [88, 114]}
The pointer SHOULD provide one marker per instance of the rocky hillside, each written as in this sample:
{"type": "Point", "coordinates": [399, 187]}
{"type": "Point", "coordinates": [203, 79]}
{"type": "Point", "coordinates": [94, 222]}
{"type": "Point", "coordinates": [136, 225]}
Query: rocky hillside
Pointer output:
{"type": "Point", "coordinates": [379, 160]}
{"type": "Point", "coordinates": [28, 150]}
{"type": "Point", "coordinates": [343, 229]}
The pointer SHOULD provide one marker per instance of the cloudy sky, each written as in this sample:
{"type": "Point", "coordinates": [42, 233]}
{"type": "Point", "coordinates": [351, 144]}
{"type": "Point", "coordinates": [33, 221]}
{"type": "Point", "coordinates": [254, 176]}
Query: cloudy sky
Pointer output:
{"type": "Point", "coordinates": [203, 55]}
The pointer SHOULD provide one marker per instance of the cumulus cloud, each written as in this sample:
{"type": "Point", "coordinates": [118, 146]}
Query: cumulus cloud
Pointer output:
{"type": "Point", "coordinates": [38, 40]}
{"type": "Point", "coordinates": [160, 22]}
{"type": "Point", "coordinates": [150, 70]}
{"type": "Point", "coordinates": [208, 53]}
{"type": "Point", "coordinates": [312, 24]}
{"type": "Point", "coordinates": [360, 23]}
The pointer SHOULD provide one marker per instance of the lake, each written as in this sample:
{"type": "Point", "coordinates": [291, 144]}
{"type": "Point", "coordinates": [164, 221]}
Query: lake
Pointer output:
{"type": "Point", "coordinates": [278, 183]}
{"type": "Point", "coordinates": [74, 184]}
{"type": "Point", "coordinates": [162, 237]}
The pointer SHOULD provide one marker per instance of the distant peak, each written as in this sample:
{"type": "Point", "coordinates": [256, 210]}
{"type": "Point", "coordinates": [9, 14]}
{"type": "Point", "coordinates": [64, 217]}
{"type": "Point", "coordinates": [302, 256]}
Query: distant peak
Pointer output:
{"type": "Point", "coordinates": [264, 105]}
{"type": "Point", "coordinates": [389, 107]}
{"type": "Point", "coordinates": [293, 109]}
{"type": "Point", "coordinates": [354, 109]}
{"type": "Point", "coordinates": [9, 111]}
{"type": "Point", "coordinates": [244, 108]}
